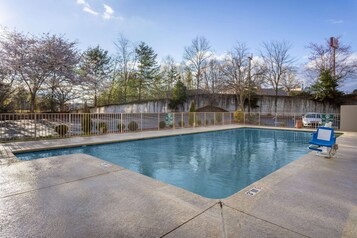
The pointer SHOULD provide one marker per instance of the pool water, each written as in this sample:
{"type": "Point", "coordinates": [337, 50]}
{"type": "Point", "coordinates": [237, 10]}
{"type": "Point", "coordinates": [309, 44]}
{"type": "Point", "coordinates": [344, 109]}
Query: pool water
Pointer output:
{"type": "Point", "coordinates": [212, 164]}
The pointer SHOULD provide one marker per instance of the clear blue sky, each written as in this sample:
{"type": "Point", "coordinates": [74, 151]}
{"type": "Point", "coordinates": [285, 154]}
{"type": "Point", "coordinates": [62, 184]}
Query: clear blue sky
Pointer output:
{"type": "Point", "coordinates": [170, 25]}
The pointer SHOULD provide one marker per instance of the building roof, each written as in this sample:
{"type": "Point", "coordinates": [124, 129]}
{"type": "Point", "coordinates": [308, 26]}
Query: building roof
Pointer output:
{"type": "Point", "coordinates": [271, 92]}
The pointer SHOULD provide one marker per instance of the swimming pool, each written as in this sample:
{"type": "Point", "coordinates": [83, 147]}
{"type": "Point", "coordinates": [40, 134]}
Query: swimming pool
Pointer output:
{"type": "Point", "coordinates": [212, 164]}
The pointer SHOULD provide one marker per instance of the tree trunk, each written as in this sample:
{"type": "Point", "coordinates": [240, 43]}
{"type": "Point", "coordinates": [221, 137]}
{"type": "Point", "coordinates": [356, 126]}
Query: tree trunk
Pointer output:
{"type": "Point", "coordinates": [52, 103]}
{"type": "Point", "coordinates": [241, 102]}
{"type": "Point", "coordinates": [33, 102]}
{"type": "Point", "coordinates": [95, 98]}
{"type": "Point", "coordinates": [125, 90]}
{"type": "Point", "coordinates": [140, 85]}
{"type": "Point", "coordinates": [276, 101]}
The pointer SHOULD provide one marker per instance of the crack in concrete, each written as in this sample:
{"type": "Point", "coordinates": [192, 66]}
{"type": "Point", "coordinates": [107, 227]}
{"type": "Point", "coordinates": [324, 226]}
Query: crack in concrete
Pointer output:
{"type": "Point", "coordinates": [197, 215]}
{"type": "Point", "coordinates": [224, 231]}
{"type": "Point", "coordinates": [248, 214]}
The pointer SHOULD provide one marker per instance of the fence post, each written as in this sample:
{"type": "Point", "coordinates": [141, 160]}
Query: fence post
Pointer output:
{"type": "Point", "coordinates": [259, 118]}
{"type": "Point", "coordinates": [141, 121]}
{"type": "Point", "coordinates": [121, 123]}
{"type": "Point", "coordinates": [173, 120]}
{"type": "Point", "coordinates": [204, 119]}
{"type": "Point", "coordinates": [182, 119]}
{"type": "Point", "coordinates": [35, 117]}
{"type": "Point", "coordinates": [243, 118]}
{"type": "Point", "coordinates": [214, 118]}
{"type": "Point", "coordinates": [158, 121]}
{"type": "Point", "coordinates": [222, 118]}
{"type": "Point", "coordinates": [194, 119]}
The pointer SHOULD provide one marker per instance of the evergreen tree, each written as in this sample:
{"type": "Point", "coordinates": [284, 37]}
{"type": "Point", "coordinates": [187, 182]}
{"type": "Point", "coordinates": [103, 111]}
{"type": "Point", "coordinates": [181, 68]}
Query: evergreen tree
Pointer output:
{"type": "Point", "coordinates": [95, 69]}
{"type": "Point", "coordinates": [148, 69]}
{"type": "Point", "coordinates": [179, 95]}
{"type": "Point", "coordinates": [170, 73]}
{"type": "Point", "coordinates": [191, 114]}
{"type": "Point", "coordinates": [325, 89]}
{"type": "Point", "coordinates": [188, 78]}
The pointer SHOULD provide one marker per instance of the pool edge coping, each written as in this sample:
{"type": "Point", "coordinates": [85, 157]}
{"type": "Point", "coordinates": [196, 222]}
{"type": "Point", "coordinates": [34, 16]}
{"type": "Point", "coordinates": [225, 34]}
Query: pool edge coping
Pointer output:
{"type": "Point", "coordinates": [299, 162]}
{"type": "Point", "coordinates": [213, 129]}
{"type": "Point", "coordinates": [10, 145]}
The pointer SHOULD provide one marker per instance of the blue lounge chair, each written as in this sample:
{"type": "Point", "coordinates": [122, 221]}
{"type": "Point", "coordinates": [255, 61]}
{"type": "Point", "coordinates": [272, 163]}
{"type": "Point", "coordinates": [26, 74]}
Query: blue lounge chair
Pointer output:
{"type": "Point", "coordinates": [324, 142]}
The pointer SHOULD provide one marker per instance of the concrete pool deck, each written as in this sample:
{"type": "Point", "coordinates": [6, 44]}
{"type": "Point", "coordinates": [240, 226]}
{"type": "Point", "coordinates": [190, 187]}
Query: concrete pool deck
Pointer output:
{"type": "Point", "coordinates": [82, 196]}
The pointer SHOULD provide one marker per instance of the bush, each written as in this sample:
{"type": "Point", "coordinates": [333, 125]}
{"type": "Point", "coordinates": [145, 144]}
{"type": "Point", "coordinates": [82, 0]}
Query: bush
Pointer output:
{"type": "Point", "coordinates": [238, 116]}
{"type": "Point", "coordinates": [181, 123]}
{"type": "Point", "coordinates": [61, 129]}
{"type": "Point", "coordinates": [162, 124]}
{"type": "Point", "coordinates": [121, 127]}
{"type": "Point", "coordinates": [207, 122]}
{"type": "Point", "coordinates": [198, 122]}
{"type": "Point", "coordinates": [133, 126]}
{"type": "Point", "coordinates": [191, 118]}
{"type": "Point", "coordinates": [102, 127]}
{"type": "Point", "coordinates": [86, 124]}
{"type": "Point", "coordinates": [252, 118]}
{"type": "Point", "coordinates": [191, 114]}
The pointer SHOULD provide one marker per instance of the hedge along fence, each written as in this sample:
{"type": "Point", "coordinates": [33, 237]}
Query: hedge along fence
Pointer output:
{"type": "Point", "coordinates": [22, 126]}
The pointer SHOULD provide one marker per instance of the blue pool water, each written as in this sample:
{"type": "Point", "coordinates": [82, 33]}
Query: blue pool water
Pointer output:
{"type": "Point", "coordinates": [213, 164]}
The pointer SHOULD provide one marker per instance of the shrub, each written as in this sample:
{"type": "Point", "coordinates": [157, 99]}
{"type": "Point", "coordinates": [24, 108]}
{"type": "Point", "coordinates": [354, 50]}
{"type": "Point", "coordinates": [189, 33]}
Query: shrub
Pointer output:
{"type": "Point", "coordinates": [238, 116]}
{"type": "Point", "coordinates": [181, 123]}
{"type": "Point", "coordinates": [252, 118]}
{"type": "Point", "coordinates": [102, 127]}
{"type": "Point", "coordinates": [212, 121]}
{"type": "Point", "coordinates": [121, 127]}
{"type": "Point", "coordinates": [162, 124]}
{"type": "Point", "coordinates": [86, 124]}
{"type": "Point", "coordinates": [191, 114]}
{"type": "Point", "coordinates": [133, 126]}
{"type": "Point", "coordinates": [61, 129]}
{"type": "Point", "coordinates": [191, 118]}
{"type": "Point", "coordinates": [207, 122]}
{"type": "Point", "coordinates": [198, 122]}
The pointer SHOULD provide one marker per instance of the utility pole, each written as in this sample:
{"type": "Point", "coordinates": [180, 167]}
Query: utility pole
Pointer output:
{"type": "Point", "coordinates": [250, 58]}
{"type": "Point", "coordinates": [334, 46]}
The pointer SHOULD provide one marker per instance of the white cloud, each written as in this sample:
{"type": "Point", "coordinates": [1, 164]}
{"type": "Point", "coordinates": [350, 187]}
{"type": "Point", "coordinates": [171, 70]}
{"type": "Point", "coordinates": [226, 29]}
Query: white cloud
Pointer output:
{"type": "Point", "coordinates": [90, 10]}
{"type": "Point", "coordinates": [108, 12]}
{"type": "Point", "coordinates": [86, 7]}
{"type": "Point", "coordinates": [81, 2]}
{"type": "Point", "coordinates": [334, 21]}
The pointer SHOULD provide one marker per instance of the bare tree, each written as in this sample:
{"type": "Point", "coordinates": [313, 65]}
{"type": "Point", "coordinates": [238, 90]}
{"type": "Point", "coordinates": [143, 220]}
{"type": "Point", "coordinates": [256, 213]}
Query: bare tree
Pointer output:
{"type": "Point", "coordinates": [26, 58]}
{"type": "Point", "coordinates": [62, 82]}
{"type": "Point", "coordinates": [235, 69]}
{"type": "Point", "coordinates": [125, 63]}
{"type": "Point", "coordinates": [213, 80]}
{"type": "Point", "coordinates": [289, 81]}
{"type": "Point", "coordinates": [6, 88]}
{"type": "Point", "coordinates": [277, 63]}
{"type": "Point", "coordinates": [196, 56]}
{"type": "Point", "coordinates": [321, 59]}
{"type": "Point", "coordinates": [186, 75]}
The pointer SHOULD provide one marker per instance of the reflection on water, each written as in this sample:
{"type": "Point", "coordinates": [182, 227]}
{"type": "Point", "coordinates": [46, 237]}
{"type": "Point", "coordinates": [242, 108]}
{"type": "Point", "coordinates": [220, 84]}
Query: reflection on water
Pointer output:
{"type": "Point", "coordinates": [213, 164]}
